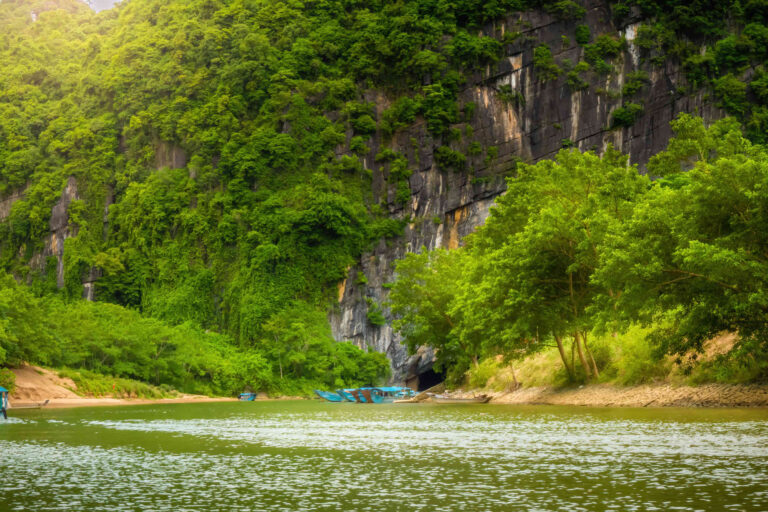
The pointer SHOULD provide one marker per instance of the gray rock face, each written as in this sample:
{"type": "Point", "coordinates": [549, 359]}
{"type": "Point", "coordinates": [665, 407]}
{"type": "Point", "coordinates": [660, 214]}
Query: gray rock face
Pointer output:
{"type": "Point", "coordinates": [60, 230]}
{"type": "Point", "coordinates": [550, 117]}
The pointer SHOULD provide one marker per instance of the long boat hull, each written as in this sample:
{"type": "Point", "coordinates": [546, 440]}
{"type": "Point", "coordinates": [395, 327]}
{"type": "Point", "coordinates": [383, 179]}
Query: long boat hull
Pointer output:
{"type": "Point", "coordinates": [474, 400]}
{"type": "Point", "coordinates": [381, 395]}
{"type": "Point", "coordinates": [329, 395]}
{"type": "Point", "coordinates": [346, 395]}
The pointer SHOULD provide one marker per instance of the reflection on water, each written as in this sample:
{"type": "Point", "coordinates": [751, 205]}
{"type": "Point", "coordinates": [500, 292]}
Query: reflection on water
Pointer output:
{"type": "Point", "coordinates": [316, 456]}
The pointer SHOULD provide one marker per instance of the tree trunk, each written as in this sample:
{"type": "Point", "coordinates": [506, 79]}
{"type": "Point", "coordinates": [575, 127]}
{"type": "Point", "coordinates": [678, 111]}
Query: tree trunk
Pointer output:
{"type": "Point", "coordinates": [562, 356]}
{"type": "Point", "coordinates": [475, 362]}
{"type": "Point", "coordinates": [592, 359]}
{"type": "Point", "coordinates": [514, 378]}
{"type": "Point", "coordinates": [580, 350]}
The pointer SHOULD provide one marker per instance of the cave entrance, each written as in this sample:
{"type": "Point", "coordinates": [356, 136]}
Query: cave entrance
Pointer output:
{"type": "Point", "coordinates": [425, 380]}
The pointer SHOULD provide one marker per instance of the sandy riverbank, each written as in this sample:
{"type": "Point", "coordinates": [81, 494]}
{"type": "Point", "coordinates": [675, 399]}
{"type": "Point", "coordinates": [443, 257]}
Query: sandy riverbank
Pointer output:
{"type": "Point", "coordinates": [662, 395]}
{"type": "Point", "coordinates": [35, 385]}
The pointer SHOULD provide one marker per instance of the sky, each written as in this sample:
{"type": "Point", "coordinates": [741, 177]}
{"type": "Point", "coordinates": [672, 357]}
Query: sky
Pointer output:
{"type": "Point", "coordinates": [100, 5]}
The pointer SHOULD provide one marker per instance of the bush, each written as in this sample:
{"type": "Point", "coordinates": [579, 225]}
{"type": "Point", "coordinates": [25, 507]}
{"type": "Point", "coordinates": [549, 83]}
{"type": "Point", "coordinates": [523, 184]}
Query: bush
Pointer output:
{"type": "Point", "coordinates": [7, 379]}
{"type": "Point", "coordinates": [357, 145]}
{"type": "Point", "coordinates": [565, 10]}
{"type": "Point", "coordinates": [574, 79]}
{"type": "Point", "coordinates": [605, 47]}
{"type": "Point", "coordinates": [364, 125]}
{"type": "Point", "coordinates": [478, 377]}
{"type": "Point", "coordinates": [583, 34]}
{"type": "Point", "coordinates": [629, 358]}
{"type": "Point", "coordinates": [509, 96]}
{"type": "Point", "coordinates": [732, 53]}
{"type": "Point", "coordinates": [759, 87]}
{"type": "Point", "coordinates": [446, 159]}
{"type": "Point", "coordinates": [375, 315]}
{"type": "Point", "coordinates": [634, 82]}
{"type": "Point", "coordinates": [98, 385]}
{"type": "Point", "coordinates": [626, 116]}
{"type": "Point", "coordinates": [732, 94]}
{"type": "Point", "coordinates": [544, 63]}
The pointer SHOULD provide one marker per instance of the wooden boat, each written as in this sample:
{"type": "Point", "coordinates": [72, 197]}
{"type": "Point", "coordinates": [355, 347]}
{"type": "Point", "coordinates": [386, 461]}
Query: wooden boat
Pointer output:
{"type": "Point", "coordinates": [329, 395]}
{"type": "Point", "coordinates": [444, 399]}
{"type": "Point", "coordinates": [346, 394]}
{"type": "Point", "coordinates": [248, 397]}
{"type": "Point", "coordinates": [38, 405]}
{"type": "Point", "coordinates": [391, 394]}
{"type": "Point", "coordinates": [367, 395]}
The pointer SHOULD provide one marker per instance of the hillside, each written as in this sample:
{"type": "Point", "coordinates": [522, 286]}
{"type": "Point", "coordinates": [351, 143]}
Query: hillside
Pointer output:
{"type": "Point", "coordinates": [250, 171]}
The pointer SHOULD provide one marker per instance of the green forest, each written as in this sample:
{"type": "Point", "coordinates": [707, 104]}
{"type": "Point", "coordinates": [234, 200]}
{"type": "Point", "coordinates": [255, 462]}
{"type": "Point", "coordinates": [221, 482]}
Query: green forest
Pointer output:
{"type": "Point", "coordinates": [584, 245]}
{"type": "Point", "coordinates": [217, 275]}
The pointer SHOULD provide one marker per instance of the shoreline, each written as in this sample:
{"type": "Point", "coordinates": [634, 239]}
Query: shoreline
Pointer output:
{"type": "Point", "coordinates": [650, 395]}
{"type": "Point", "coordinates": [67, 403]}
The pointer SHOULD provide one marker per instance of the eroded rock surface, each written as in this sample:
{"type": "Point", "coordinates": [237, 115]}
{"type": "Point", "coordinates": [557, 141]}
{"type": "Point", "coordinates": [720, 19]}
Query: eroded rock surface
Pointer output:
{"type": "Point", "coordinates": [445, 206]}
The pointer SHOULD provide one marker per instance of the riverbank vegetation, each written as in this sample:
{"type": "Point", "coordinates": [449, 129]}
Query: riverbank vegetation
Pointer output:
{"type": "Point", "coordinates": [215, 156]}
{"type": "Point", "coordinates": [93, 339]}
{"type": "Point", "coordinates": [583, 249]}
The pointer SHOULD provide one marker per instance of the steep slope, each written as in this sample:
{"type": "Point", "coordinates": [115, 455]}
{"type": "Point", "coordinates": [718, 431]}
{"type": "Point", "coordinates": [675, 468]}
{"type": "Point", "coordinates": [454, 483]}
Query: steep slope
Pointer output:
{"type": "Point", "coordinates": [550, 115]}
{"type": "Point", "coordinates": [227, 163]}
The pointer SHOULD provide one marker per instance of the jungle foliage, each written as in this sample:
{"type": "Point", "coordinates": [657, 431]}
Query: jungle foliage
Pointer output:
{"type": "Point", "coordinates": [99, 338]}
{"type": "Point", "coordinates": [218, 149]}
{"type": "Point", "coordinates": [202, 137]}
{"type": "Point", "coordinates": [586, 245]}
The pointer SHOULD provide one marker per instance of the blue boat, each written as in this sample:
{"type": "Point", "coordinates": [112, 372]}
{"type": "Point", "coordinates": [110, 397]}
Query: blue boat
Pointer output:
{"type": "Point", "coordinates": [390, 394]}
{"type": "Point", "coordinates": [368, 395]}
{"type": "Point", "coordinates": [346, 394]}
{"type": "Point", "coordinates": [4, 401]}
{"type": "Point", "coordinates": [248, 397]}
{"type": "Point", "coordinates": [329, 395]}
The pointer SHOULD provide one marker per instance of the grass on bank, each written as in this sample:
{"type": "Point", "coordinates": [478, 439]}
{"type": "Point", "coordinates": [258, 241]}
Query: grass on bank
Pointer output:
{"type": "Point", "coordinates": [628, 360]}
{"type": "Point", "coordinates": [96, 385]}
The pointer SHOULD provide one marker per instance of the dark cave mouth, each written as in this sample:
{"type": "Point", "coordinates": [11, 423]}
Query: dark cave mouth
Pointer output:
{"type": "Point", "coordinates": [425, 380]}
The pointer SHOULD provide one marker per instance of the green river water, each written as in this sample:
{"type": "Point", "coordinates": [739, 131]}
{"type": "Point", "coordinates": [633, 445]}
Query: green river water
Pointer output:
{"type": "Point", "coordinates": [306, 455]}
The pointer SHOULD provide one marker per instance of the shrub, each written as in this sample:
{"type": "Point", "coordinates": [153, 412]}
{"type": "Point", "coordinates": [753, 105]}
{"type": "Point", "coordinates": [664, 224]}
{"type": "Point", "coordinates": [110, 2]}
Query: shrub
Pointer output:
{"type": "Point", "coordinates": [732, 53]}
{"type": "Point", "coordinates": [357, 145]}
{"type": "Point", "coordinates": [375, 315]}
{"type": "Point", "coordinates": [732, 94]}
{"type": "Point", "coordinates": [583, 34]}
{"type": "Point", "coordinates": [510, 96]}
{"type": "Point", "coordinates": [446, 158]}
{"type": "Point", "coordinates": [491, 152]}
{"type": "Point", "coordinates": [544, 63]}
{"type": "Point", "coordinates": [479, 376]}
{"type": "Point", "coordinates": [565, 10]}
{"type": "Point", "coordinates": [7, 379]}
{"type": "Point", "coordinates": [574, 79]}
{"type": "Point", "coordinates": [626, 116]}
{"type": "Point", "coordinates": [364, 125]}
{"type": "Point", "coordinates": [759, 87]}
{"type": "Point", "coordinates": [634, 82]}
{"type": "Point", "coordinates": [605, 47]}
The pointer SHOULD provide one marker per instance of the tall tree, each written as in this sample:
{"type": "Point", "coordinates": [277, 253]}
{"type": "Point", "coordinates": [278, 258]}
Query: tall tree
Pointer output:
{"type": "Point", "coordinates": [695, 252]}
{"type": "Point", "coordinates": [541, 245]}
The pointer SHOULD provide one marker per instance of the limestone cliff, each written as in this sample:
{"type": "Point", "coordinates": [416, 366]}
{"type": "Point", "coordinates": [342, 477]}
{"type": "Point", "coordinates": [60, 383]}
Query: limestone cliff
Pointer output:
{"type": "Point", "coordinates": [445, 206]}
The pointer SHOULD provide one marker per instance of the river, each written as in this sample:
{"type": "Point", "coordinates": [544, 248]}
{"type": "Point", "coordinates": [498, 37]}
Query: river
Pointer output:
{"type": "Point", "coordinates": [306, 455]}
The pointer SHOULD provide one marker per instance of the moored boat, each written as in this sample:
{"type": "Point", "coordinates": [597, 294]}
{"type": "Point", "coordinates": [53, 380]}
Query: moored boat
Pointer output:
{"type": "Point", "coordinates": [248, 397]}
{"type": "Point", "coordinates": [367, 395]}
{"type": "Point", "coordinates": [329, 395]}
{"type": "Point", "coordinates": [346, 394]}
{"type": "Point", "coordinates": [444, 399]}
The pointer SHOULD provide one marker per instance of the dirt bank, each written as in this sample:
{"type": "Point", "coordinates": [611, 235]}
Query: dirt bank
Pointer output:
{"type": "Point", "coordinates": [35, 385]}
{"type": "Point", "coordinates": [604, 395]}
